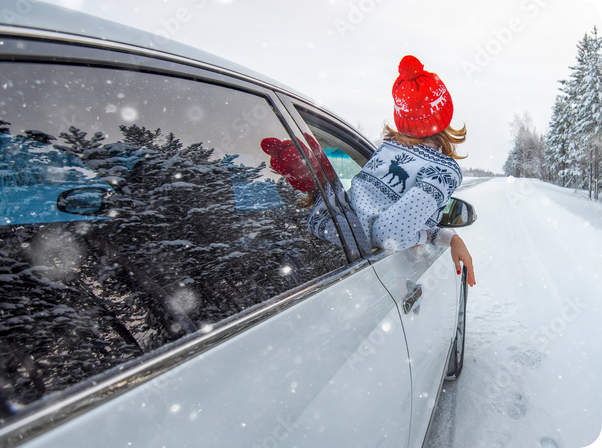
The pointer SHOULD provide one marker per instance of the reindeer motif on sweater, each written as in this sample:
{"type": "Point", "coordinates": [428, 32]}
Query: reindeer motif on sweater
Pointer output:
{"type": "Point", "coordinates": [396, 171]}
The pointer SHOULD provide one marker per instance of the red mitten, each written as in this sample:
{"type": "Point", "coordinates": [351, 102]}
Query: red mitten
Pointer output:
{"type": "Point", "coordinates": [286, 160]}
{"type": "Point", "coordinates": [321, 156]}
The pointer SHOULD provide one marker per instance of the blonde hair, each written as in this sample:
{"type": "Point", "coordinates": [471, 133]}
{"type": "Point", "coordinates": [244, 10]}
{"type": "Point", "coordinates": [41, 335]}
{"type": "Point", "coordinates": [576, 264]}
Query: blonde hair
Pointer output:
{"type": "Point", "coordinates": [446, 140]}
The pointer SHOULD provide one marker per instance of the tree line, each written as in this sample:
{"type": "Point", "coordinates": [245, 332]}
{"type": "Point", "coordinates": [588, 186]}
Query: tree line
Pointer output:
{"type": "Point", "coordinates": [569, 153]}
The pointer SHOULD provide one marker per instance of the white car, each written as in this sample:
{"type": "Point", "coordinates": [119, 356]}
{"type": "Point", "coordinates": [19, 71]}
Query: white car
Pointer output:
{"type": "Point", "coordinates": [195, 307]}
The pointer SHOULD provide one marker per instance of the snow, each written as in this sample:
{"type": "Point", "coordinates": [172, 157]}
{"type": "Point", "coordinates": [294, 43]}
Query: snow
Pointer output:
{"type": "Point", "coordinates": [87, 174]}
{"type": "Point", "coordinates": [533, 362]}
{"type": "Point", "coordinates": [176, 243]}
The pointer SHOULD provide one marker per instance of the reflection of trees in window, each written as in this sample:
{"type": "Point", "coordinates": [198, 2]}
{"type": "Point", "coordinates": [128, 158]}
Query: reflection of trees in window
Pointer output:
{"type": "Point", "coordinates": [55, 330]}
{"type": "Point", "coordinates": [212, 256]}
{"type": "Point", "coordinates": [190, 241]}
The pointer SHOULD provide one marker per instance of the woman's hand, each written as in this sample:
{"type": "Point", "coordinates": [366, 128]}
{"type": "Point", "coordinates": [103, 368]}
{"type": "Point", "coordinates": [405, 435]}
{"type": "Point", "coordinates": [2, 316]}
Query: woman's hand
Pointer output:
{"type": "Point", "coordinates": [460, 253]}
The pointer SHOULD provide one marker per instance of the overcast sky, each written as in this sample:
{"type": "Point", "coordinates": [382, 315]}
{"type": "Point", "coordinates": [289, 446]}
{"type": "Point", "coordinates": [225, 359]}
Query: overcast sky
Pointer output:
{"type": "Point", "coordinates": [496, 58]}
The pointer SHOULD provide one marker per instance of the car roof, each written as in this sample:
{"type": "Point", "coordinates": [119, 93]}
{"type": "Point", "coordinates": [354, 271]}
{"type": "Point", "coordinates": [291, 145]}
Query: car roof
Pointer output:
{"type": "Point", "coordinates": [63, 23]}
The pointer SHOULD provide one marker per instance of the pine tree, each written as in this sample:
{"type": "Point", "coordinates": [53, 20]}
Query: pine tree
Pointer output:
{"type": "Point", "coordinates": [584, 92]}
{"type": "Point", "coordinates": [141, 137]}
{"type": "Point", "coordinates": [559, 159]}
{"type": "Point", "coordinates": [79, 144]}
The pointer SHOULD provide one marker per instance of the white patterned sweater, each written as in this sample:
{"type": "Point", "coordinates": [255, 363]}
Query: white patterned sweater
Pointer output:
{"type": "Point", "coordinates": [400, 194]}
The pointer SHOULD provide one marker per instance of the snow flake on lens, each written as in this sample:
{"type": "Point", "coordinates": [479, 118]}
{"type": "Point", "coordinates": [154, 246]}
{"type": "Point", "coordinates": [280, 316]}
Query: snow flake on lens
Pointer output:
{"type": "Point", "coordinates": [195, 113]}
{"type": "Point", "coordinates": [129, 114]}
{"type": "Point", "coordinates": [374, 163]}
{"type": "Point", "coordinates": [387, 326]}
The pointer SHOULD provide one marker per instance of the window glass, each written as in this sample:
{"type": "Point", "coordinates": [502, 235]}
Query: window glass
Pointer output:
{"type": "Point", "coordinates": [341, 160]}
{"type": "Point", "coordinates": [339, 154]}
{"type": "Point", "coordinates": [136, 208]}
{"type": "Point", "coordinates": [346, 155]}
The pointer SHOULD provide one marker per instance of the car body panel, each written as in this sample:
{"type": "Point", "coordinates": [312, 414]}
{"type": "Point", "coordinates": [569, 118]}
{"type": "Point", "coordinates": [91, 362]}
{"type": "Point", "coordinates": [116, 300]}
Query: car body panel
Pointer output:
{"type": "Point", "coordinates": [430, 329]}
{"type": "Point", "coordinates": [329, 370]}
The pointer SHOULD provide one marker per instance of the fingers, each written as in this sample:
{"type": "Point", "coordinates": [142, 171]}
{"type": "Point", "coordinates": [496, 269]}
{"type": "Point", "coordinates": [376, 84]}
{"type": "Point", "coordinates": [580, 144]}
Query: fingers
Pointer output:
{"type": "Point", "coordinates": [460, 254]}
{"type": "Point", "coordinates": [470, 278]}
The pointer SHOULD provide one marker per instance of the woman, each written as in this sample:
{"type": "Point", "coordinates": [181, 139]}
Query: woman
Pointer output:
{"type": "Point", "coordinates": [400, 194]}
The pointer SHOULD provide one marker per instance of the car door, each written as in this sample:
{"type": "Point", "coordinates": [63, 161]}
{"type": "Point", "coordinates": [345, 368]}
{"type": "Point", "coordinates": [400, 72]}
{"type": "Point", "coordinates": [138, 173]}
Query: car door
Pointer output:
{"type": "Point", "coordinates": [424, 271]}
{"type": "Point", "coordinates": [197, 309]}
{"type": "Point", "coordinates": [430, 328]}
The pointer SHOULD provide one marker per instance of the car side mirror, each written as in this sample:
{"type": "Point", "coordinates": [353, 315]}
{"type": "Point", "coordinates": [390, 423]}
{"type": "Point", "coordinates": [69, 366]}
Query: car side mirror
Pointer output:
{"type": "Point", "coordinates": [89, 201]}
{"type": "Point", "coordinates": [458, 213]}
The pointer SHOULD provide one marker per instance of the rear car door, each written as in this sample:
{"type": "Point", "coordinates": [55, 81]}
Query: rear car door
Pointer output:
{"type": "Point", "coordinates": [425, 270]}
{"type": "Point", "coordinates": [196, 308]}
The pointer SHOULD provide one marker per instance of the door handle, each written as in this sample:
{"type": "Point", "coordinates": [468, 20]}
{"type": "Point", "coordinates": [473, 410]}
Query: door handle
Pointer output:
{"type": "Point", "coordinates": [411, 301]}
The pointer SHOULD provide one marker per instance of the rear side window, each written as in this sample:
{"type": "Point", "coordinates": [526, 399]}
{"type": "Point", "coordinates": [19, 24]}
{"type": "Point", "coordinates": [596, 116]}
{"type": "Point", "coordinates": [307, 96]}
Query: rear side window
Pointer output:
{"type": "Point", "coordinates": [346, 156]}
{"type": "Point", "coordinates": [135, 208]}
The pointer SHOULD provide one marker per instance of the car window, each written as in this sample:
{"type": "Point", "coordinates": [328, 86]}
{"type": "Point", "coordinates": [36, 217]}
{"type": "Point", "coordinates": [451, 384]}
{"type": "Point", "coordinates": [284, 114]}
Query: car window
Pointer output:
{"type": "Point", "coordinates": [341, 159]}
{"type": "Point", "coordinates": [338, 153]}
{"type": "Point", "coordinates": [346, 156]}
{"type": "Point", "coordinates": [136, 208]}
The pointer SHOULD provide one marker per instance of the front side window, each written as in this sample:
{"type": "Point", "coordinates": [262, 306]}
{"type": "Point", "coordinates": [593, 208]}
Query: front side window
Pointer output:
{"type": "Point", "coordinates": [338, 153]}
{"type": "Point", "coordinates": [135, 208]}
{"type": "Point", "coordinates": [341, 157]}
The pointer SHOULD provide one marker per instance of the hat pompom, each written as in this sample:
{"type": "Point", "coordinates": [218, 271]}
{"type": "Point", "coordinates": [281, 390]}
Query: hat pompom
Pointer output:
{"type": "Point", "coordinates": [271, 146]}
{"type": "Point", "coordinates": [410, 68]}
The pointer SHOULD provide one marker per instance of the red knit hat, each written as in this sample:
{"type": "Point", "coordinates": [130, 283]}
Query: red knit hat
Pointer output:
{"type": "Point", "coordinates": [423, 106]}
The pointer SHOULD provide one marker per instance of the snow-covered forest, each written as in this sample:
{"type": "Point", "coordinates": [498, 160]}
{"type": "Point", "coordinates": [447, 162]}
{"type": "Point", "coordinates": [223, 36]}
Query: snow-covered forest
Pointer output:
{"type": "Point", "coordinates": [569, 154]}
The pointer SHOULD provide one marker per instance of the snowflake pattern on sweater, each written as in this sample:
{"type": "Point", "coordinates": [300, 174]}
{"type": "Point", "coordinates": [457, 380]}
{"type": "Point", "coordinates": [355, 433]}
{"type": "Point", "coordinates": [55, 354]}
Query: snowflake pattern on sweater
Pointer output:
{"type": "Point", "coordinates": [400, 194]}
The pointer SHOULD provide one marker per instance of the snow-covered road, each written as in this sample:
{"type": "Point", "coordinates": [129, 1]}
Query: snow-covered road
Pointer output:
{"type": "Point", "coordinates": [533, 367]}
